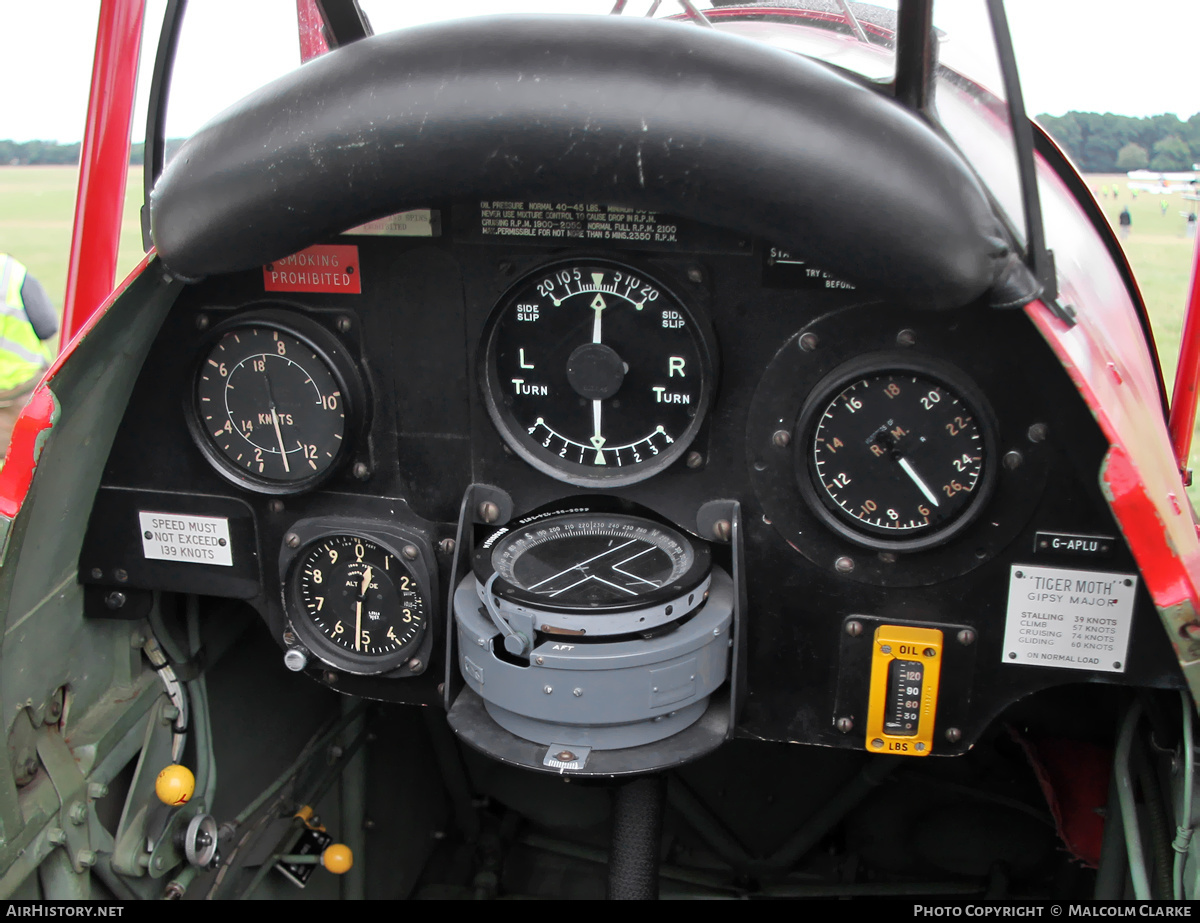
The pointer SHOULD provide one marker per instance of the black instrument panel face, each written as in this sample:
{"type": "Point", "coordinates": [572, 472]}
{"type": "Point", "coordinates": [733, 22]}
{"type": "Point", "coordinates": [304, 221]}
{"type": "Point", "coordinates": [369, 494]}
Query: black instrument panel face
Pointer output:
{"type": "Point", "coordinates": [880, 456]}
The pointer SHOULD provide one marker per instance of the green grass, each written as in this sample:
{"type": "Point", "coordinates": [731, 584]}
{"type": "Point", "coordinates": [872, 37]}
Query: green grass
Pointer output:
{"type": "Point", "coordinates": [36, 207]}
{"type": "Point", "coordinates": [36, 204]}
{"type": "Point", "coordinates": [1160, 253]}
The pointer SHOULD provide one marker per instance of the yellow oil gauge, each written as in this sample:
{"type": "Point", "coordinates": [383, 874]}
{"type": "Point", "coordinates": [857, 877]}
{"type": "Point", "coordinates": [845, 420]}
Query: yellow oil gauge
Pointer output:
{"type": "Point", "coordinates": [905, 667]}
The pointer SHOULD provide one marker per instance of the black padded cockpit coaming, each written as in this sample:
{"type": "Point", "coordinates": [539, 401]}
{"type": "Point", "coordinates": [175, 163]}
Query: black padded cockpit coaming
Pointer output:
{"type": "Point", "coordinates": [648, 114]}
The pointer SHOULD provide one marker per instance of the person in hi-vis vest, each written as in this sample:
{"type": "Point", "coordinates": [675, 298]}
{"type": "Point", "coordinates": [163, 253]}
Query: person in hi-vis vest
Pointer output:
{"type": "Point", "coordinates": [26, 320]}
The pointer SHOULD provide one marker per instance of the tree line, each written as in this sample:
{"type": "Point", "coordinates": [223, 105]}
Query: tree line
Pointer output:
{"type": "Point", "coordinates": [1097, 143]}
{"type": "Point", "coordinates": [1118, 143]}
{"type": "Point", "coordinates": [39, 153]}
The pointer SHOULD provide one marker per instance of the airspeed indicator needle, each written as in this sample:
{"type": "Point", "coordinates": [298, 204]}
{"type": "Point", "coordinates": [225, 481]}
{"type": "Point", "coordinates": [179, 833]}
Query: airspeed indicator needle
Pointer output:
{"type": "Point", "coordinates": [279, 436]}
{"type": "Point", "coordinates": [275, 419]}
{"type": "Point", "coordinates": [911, 472]}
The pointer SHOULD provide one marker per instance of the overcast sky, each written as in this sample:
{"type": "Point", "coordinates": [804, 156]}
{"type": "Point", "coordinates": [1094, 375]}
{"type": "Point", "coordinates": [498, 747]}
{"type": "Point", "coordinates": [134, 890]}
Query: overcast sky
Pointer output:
{"type": "Point", "coordinates": [1091, 56]}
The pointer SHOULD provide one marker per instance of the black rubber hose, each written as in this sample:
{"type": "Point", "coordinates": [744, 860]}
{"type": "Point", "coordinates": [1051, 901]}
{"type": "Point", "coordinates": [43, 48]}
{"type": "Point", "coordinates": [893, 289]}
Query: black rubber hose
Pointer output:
{"type": "Point", "coordinates": [636, 838]}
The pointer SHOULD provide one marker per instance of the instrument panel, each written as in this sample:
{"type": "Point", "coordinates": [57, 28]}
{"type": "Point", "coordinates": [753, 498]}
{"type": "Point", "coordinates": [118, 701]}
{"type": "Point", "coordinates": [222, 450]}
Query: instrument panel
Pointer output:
{"type": "Point", "coordinates": [836, 459]}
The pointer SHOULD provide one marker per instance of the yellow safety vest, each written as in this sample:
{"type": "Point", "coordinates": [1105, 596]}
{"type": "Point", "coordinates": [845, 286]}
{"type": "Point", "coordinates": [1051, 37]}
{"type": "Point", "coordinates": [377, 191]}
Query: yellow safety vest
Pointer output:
{"type": "Point", "coordinates": [22, 356]}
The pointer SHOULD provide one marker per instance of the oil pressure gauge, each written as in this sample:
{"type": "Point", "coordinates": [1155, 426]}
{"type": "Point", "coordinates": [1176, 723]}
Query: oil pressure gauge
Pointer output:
{"type": "Point", "coordinates": [898, 454]}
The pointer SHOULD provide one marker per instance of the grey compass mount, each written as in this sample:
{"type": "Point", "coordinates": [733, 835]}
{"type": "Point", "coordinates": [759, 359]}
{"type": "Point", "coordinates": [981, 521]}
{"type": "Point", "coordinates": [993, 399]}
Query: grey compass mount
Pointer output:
{"type": "Point", "coordinates": [593, 628]}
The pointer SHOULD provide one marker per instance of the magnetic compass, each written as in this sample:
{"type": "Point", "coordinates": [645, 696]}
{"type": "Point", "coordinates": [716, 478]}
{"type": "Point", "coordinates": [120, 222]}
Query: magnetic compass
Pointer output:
{"type": "Point", "coordinates": [589, 626]}
{"type": "Point", "coordinates": [585, 562]}
{"type": "Point", "coordinates": [595, 373]}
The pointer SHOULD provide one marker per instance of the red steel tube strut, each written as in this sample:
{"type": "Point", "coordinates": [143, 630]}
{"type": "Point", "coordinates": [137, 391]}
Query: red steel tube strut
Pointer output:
{"type": "Point", "coordinates": [1183, 398]}
{"type": "Point", "coordinates": [103, 163]}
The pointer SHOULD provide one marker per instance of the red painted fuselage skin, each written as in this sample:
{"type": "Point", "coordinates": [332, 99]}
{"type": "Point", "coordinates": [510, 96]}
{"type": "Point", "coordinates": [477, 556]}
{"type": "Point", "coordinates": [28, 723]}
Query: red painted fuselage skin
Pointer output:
{"type": "Point", "coordinates": [1107, 356]}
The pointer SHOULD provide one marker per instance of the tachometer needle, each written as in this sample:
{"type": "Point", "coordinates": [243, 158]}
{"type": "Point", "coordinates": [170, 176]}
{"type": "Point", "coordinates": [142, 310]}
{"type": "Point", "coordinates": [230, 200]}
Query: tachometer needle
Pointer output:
{"type": "Point", "coordinates": [911, 472]}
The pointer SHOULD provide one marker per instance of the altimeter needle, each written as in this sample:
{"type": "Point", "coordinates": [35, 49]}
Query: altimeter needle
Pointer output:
{"type": "Point", "coordinates": [362, 594]}
{"type": "Point", "coordinates": [912, 473]}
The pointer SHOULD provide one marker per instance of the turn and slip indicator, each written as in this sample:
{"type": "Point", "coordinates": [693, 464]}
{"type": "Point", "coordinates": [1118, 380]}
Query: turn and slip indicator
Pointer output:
{"type": "Point", "coordinates": [905, 667]}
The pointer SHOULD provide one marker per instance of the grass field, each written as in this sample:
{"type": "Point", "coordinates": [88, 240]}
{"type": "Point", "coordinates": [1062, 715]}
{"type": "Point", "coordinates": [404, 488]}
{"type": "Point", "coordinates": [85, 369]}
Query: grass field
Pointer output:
{"type": "Point", "coordinates": [36, 205]}
{"type": "Point", "coordinates": [1160, 252]}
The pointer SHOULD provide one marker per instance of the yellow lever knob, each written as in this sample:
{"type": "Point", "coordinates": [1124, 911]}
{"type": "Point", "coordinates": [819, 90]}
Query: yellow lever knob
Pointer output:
{"type": "Point", "coordinates": [337, 858]}
{"type": "Point", "coordinates": [175, 785]}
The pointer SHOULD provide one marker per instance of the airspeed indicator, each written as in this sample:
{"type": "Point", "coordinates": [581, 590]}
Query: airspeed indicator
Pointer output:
{"type": "Point", "coordinates": [276, 402]}
{"type": "Point", "coordinates": [595, 373]}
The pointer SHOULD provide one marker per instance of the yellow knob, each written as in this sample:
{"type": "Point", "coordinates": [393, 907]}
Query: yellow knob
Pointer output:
{"type": "Point", "coordinates": [175, 785]}
{"type": "Point", "coordinates": [337, 858]}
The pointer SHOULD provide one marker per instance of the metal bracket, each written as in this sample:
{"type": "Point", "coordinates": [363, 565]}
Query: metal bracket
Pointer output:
{"type": "Point", "coordinates": [1062, 310]}
{"type": "Point", "coordinates": [143, 827]}
{"type": "Point", "coordinates": [474, 498]}
{"type": "Point", "coordinates": [71, 787]}
{"type": "Point", "coordinates": [562, 757]}
{"type": "Point", "coordinates": [721, 521]}
{"type": "Point", "coordinates": [714, 520]}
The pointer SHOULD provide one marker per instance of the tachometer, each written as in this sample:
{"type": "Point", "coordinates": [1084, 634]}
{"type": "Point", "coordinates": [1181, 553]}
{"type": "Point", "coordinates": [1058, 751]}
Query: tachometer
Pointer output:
{"type": "Point", "coordinates": [595, 373]}
{"type": "Point", "coordinates": [898, 455]}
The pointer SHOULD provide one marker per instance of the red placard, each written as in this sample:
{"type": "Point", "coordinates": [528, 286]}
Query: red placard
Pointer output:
{"type": "Point", "coordinates": [321, 268]}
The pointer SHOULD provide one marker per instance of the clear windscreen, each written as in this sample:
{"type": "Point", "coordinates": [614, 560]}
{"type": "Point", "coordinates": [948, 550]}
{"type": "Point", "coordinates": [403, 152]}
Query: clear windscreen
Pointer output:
{"type": "Point", "coordinates": [228, 48]}
{"type": "Point", "coordinates": [970, 102]}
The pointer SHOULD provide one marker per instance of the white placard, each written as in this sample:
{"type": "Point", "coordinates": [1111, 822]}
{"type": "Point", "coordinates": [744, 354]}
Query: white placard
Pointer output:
{"type": "Point", "coordinates": [186, 539]}
{"type": "Point", "coordinates": [415, 223]}
{"type": "Point", "coordinates": [1071, 619]}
